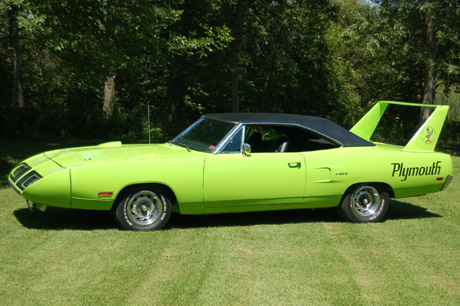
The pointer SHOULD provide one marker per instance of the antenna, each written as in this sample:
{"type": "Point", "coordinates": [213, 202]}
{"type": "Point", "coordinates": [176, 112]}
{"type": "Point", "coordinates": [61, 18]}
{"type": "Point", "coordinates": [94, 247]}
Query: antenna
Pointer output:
{"type": "Point", "coordinates": [148, 116]}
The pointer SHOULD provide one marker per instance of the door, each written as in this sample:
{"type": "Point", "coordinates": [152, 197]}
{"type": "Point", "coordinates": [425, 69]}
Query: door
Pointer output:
{"type": "Point", "coordinates": [234, 181]}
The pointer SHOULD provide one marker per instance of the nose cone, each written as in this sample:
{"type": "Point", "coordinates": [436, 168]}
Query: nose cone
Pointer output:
{"type": "Point", "coordinates": [42, 181]}
{"type": "Point", "coordinates": [52, 189]}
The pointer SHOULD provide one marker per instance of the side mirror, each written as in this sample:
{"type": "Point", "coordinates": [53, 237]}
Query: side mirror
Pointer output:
{"type": "Point", "coordinates": [246, 149]}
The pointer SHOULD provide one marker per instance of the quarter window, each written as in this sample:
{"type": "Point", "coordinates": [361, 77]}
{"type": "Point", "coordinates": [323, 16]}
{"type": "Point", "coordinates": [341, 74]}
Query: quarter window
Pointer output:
{"type": "Point", "coordinates": [234, 146]}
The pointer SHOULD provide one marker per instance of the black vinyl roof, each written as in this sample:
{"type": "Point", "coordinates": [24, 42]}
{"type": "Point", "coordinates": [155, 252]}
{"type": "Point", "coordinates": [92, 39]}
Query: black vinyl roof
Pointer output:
{"type": "Point", "coordinates": [315, 124]}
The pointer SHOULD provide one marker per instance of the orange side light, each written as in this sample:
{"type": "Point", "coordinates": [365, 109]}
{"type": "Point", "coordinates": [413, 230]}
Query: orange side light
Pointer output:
{"type": "Point", "coordinates": [105, 194]}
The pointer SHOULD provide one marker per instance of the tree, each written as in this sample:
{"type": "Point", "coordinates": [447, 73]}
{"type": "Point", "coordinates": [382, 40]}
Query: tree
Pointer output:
{"type": "Point", "coordinates": [193, 42]}
{"type": "Point", "coordinates": [12, 12]}
{"type": "Point", "coordinates": [237, 34]}
{"type": "Point", "coordinates": [431, 30]}
{"type": "Point", "coordinates": [289, 64]}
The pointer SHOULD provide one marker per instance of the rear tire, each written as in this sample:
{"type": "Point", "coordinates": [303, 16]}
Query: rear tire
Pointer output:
{"type": "Point", "coordinates": [364, 203]}
{"type": "Point", "coordinates": [142, 208]}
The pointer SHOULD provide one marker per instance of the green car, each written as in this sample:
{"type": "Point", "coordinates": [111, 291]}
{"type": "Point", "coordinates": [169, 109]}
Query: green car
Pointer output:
{"type": "Point", "coordinates": [242, 162]}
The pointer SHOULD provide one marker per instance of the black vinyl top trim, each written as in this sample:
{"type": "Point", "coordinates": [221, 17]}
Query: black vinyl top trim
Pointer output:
{"type": "Point", "coordinates": [319, 125]}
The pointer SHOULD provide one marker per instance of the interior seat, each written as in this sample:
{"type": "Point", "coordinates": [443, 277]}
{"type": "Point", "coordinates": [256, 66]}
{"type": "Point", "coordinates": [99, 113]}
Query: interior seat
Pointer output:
{"type": "Point", "coordinates": [283, 147]}
{"type": "Point", "coordinates": [255, 141]}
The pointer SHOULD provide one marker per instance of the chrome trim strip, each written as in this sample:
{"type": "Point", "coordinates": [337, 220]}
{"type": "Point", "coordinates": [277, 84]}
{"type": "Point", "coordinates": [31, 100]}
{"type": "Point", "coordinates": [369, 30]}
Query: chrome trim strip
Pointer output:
{"type": "Point", "coordinates": [191, 126]}
{"type": "Point", "coordinates": [447, 182]}
{"type": "Point", "coordinates": [302, 127]}
{"type": "Point", "coordinates": [221, 145]}
{"type": "Point", "coordinates": [29, 205]}
{"type": "Point", "coordinates": [221, 120]}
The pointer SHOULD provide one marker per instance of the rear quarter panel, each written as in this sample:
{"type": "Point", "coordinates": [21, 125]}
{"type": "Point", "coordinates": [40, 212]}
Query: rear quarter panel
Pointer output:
{"type": "Point", "coordinates": [331, 172]}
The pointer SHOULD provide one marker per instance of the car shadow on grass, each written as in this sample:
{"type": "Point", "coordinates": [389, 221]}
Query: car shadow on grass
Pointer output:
{"type": "Point", "coordinates": [54, 218]}
{"type": "Point", "coordinates": [254, 218]}
{"type": "Point", "coordinates": [397, 211]}
{"type": "Point", "coordinates": [70, 219]}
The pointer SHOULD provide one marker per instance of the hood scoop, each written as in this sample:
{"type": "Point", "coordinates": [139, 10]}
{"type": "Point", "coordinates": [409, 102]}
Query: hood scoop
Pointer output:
{"type": "Point", "coordinates": [112, 144]}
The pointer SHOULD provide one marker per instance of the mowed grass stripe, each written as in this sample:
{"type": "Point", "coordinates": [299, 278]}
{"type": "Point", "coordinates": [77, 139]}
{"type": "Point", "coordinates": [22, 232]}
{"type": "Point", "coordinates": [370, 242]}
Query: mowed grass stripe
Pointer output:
{"type": "Point", "coordinates": [174, 274]}
{"type": "Point", "coordinates": [78, 258]}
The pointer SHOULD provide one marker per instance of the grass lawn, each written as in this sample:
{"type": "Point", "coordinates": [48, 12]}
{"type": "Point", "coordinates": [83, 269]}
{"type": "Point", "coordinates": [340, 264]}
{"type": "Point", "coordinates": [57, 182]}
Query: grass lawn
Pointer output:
{"type": "Point", "coordinates": [70, 257]}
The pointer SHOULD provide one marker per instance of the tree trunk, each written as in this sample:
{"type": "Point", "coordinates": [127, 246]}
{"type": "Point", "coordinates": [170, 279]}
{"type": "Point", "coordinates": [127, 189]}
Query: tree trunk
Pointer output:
{"type": "Point", "coordinates": [109, 96]}
{"type": "Point", "coordinates": [429, 84]}
{"type": "Point", "coordinates": [235, 64]}
{"type": "Point", "coordinates": [176, 91]}
{"type": "Point", "coordinates": [235, 87]}
{"type": "Point", "coordinates": [109, 84]}
{"type": "Point", "coordinates": [18, 93]}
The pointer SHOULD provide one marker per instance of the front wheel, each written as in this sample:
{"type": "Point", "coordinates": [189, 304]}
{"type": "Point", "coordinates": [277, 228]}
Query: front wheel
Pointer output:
{"type": "Point", "coordinates": [364, 203]}
{"type": "Point", "coordinates": [142, 209]}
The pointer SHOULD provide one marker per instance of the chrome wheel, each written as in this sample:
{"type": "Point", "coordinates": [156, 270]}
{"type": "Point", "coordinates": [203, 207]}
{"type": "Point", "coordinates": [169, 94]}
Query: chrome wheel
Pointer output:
{"type": "Point", "coordinates": [144, 208]}
{"type": "Point", "coordinates": [366, 201]}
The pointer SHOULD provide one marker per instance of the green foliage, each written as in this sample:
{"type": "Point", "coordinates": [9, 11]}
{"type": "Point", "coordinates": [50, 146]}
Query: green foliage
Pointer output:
{"type": "Point", "coordinates": [289, 63]}
{"type": "Point", "coordinates": [451, 132]}
{"type": "Point", "coordinates": [330, 58]}
{"type": "Point", "coordinates": [452, 99]}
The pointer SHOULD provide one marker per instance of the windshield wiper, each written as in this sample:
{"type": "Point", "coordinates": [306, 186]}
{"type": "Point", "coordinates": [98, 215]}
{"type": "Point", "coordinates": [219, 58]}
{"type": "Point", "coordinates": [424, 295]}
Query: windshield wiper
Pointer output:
{"type": "Point", "coordinates": [180, 144]}
{"type": "Point", "coordinates": [185, 146]}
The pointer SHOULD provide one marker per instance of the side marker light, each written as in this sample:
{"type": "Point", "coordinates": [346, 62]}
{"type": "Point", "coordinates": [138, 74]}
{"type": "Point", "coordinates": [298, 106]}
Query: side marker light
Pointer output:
{"type": "Point", "coordinates": [105, 194]}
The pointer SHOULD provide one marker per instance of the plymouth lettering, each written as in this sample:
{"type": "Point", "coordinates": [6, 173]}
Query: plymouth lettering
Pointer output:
{"type": "Point", "coordinates": [405, 172]}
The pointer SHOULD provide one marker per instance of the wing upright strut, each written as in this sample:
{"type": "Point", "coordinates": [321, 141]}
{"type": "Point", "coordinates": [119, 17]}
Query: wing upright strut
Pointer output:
{"type": "Point", "coordinates": [426, 137]}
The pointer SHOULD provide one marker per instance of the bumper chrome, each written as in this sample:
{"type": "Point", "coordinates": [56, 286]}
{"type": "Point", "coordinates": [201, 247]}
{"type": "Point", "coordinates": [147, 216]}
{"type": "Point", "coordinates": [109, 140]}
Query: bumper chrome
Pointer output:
{"type": "Point", "coordinates": [29, 205]}
{"type": "Point", "coordinates": [448, 180]}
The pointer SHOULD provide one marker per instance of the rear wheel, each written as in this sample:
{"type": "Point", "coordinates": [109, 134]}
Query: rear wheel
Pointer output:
{"type": "Point", "coordinates": [143, 209]}
{"type": "Point", "coordinates": [364, 203]}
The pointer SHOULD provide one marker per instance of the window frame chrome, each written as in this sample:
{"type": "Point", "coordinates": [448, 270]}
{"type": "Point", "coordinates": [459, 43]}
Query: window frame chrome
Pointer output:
{"type": "Point", "coordinates": [236, 129]}
{"type": "Point", "coordinates": [224, 142]}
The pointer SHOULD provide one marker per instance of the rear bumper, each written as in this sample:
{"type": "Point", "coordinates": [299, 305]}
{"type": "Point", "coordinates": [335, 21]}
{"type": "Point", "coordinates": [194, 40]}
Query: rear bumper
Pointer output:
{"type": "Point", "coordinates": [447, 182]}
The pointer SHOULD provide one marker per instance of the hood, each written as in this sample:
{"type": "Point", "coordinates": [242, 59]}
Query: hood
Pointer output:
{"type": "Point", "coordinates": [115, 151]}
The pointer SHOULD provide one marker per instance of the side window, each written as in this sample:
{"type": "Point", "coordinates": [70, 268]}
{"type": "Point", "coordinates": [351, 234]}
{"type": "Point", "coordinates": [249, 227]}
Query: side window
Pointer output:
{"type": "Point", "coordinates": [265, 138]}
{"type": "Point", "coordinates": [234, 146]}
{"type": "Point", "coordinates": [284, 138]}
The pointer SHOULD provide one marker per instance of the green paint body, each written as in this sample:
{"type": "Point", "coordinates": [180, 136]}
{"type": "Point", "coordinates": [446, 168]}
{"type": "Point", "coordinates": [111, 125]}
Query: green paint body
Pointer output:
{"type": "Point", "coordinates": [206, 183]}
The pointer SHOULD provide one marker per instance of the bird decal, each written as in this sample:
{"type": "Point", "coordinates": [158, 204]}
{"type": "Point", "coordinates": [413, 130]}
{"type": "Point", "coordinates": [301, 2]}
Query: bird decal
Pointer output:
{"type": "Point", "coordinates": [429, 133]}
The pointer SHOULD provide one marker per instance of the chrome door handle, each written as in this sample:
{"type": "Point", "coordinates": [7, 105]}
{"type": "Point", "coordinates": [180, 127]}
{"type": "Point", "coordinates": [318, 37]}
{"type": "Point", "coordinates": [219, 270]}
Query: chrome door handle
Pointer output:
{"type": "Point", "coordinates": [295, 165]}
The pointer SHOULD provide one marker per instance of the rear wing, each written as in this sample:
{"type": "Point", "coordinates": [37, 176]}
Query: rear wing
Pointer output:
{"type": "Point", "coordinates": [424, 140]}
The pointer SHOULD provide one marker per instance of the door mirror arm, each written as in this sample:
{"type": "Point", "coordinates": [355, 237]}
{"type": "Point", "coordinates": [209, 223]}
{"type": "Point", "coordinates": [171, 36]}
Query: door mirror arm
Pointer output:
{"type": "Point", "coordinates": [246, 149]}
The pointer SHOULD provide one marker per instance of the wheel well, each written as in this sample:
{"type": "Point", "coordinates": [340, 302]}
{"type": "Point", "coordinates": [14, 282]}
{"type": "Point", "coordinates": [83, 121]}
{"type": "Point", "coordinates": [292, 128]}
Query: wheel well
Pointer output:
{"type": "Point", "coordinates": [387, 187]}
{"type": "Point", "coordinates": [164, 188]}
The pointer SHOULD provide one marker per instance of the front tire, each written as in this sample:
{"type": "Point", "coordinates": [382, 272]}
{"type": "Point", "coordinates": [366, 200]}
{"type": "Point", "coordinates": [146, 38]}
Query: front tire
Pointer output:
{"type": "Point", "coordinates": [142, 209]}
{"type": "Point", "coordinates": [364, 203]}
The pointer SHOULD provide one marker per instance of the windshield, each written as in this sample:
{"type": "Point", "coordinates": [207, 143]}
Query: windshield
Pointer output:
{"type": "Point", "coordinates": [203, 135]}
